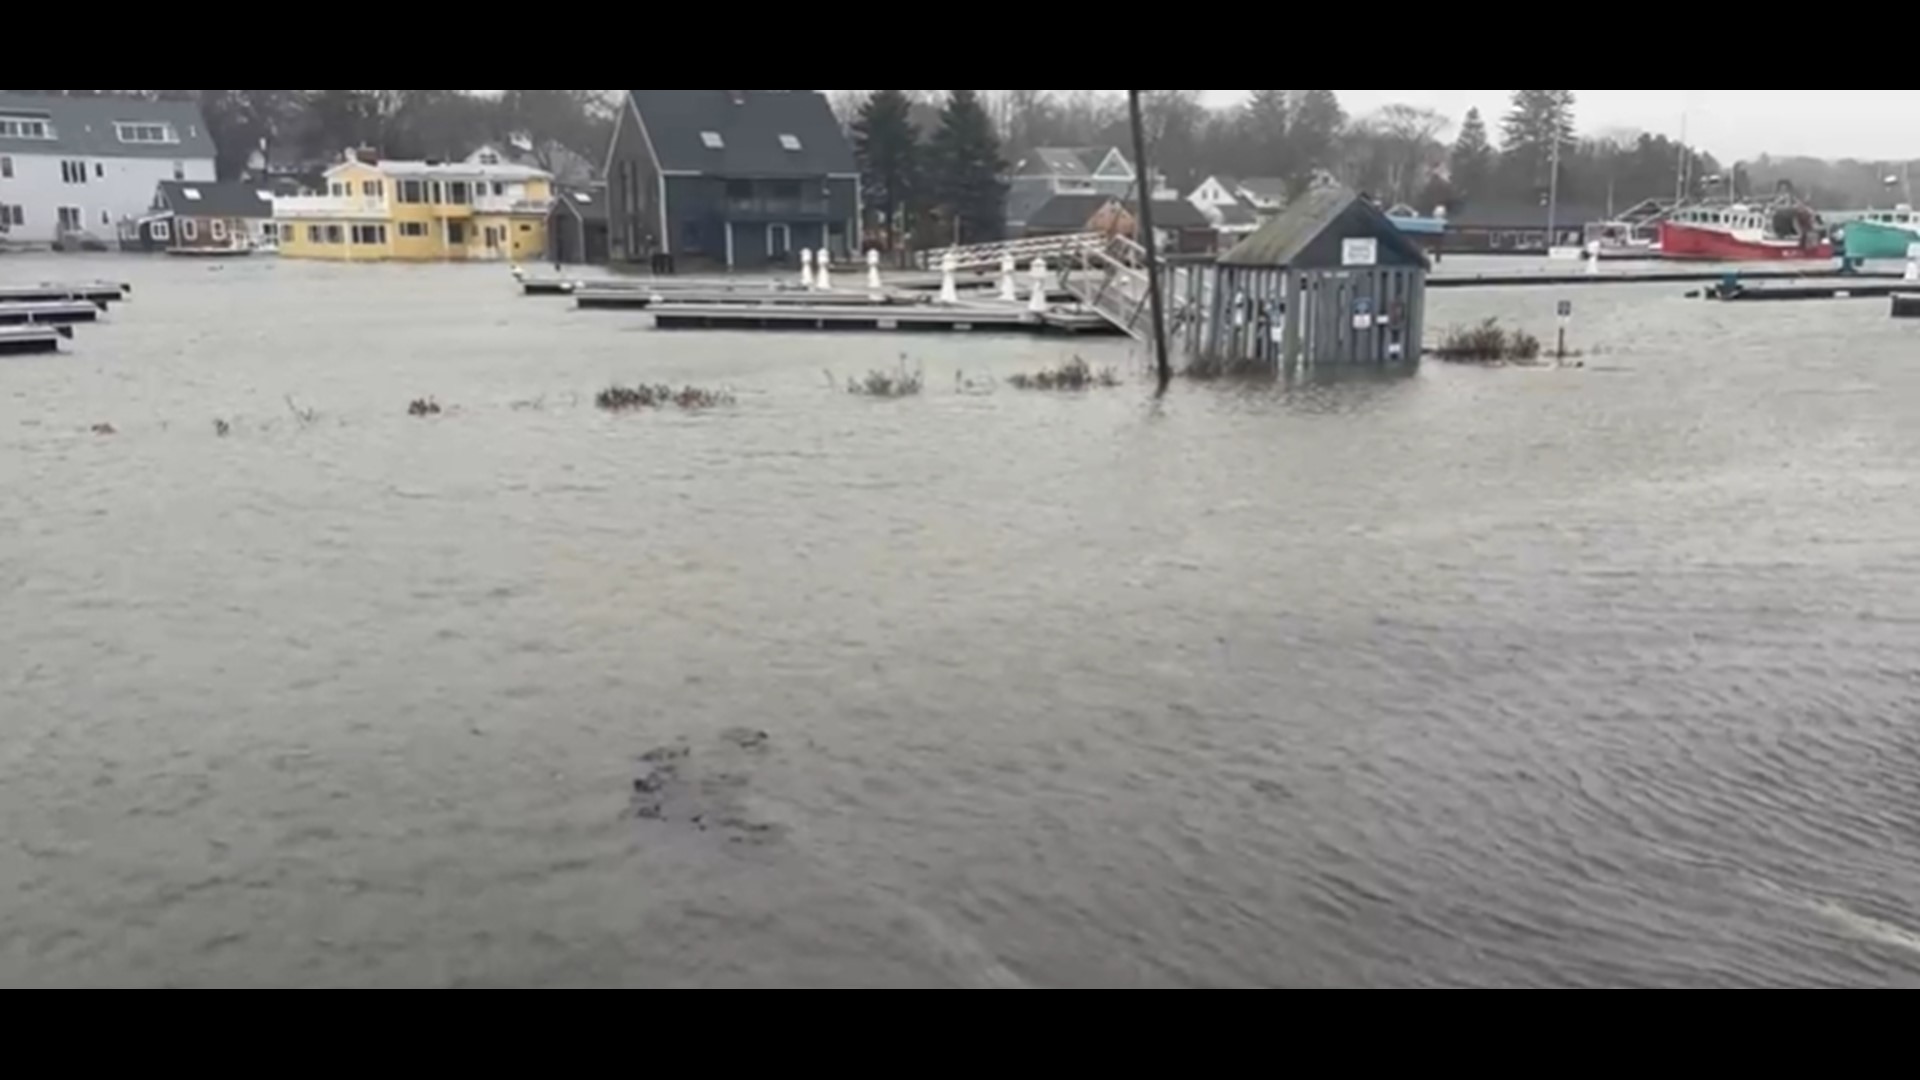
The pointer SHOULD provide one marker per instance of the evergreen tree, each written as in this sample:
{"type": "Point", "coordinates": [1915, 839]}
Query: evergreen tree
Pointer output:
{"type": "Point", "coordinates": [1471, 166]}
{"type": "Point", "coordinates": [1318, 122]}
{"type": "Point", "coordinates": [887, 144]}
{"type": "Point", "coordinates": [968, 170]}
{"type": "Point", "coordinates": [1538, 121]}
{"type": "Point", "coordinates": [1268, 121]}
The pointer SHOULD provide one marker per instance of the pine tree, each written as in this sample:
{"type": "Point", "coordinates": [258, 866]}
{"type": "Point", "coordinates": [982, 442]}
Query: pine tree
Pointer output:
{"type": "Point", "coordinates": [1318, 122]}
{"type": "Point", "coordinates": [1538, 121]}
{"type": "Point", "coordinates": [1473, 158]}
{"type": "Point", "coordinates": [968, 170]}
{"type": "Point", "coordinates": [888, 147]}
{"type": "Point", "coordinates": [1268, 119]}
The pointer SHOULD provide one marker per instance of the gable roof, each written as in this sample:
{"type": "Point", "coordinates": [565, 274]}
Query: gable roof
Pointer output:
{"type": "Point", "coordinates": [1053, 161]}
{"type": "Point", "coordinates": [188, 199]}
{"type": "Point", "coordinates": [1265, 188]}
{"type": "Point", "coordinates": [1176, 214]}
{"type": "Point", "coordinates": [1238, 215]}
{"type": "Point", "coordinates": [751, 125]}
{"type": "Point", "coordinates": [85, 126]}
{"type": "Point", "coordinates": [1308, 234]}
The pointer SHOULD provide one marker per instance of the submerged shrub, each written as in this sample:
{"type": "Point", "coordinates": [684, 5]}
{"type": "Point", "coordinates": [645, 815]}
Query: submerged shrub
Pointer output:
{"type": "Point", "coordinates": [1075, 374]}
{"type": "Point", "coordinates": [660, 396]}
{"type": "Point", "coordinates": [1488, 343]}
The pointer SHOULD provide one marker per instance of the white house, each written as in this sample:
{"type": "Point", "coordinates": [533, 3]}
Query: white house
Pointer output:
{"type": "Point", "coordinates": [88, 166]}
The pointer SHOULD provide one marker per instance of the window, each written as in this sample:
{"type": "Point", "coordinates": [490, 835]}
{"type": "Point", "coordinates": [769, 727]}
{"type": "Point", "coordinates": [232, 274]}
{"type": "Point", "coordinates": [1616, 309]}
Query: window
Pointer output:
{"type": "Point", "coordinates": [314, 235]}
{"type": "Point", "coordinates": [436, 192]}
{"type": "Point", "coordinates": [459, 193]}
{"type": "Point", "coordinates": [106, 219]}
{"type": "Point", "coordinates": [488, 157]}
{"type": "Point", "coordinates": [413, 192]}
{"type": "Point", "coordinates": [714, 140]}
{"type": "Point", "coordinates": [415, 230]}
{"type": "Point", "coordinates": [19, 215]}
{"type": "Point", "coordinates": [6, 168]}
{"type": "Point", "coordinates": [370, 235]}
{"type": "Point", "coordinates": [162, 232]}
{"type": "Point", "coordinates": [583, 198]}
{"type": "Point", "coordinates": [73, 172]}
{"type": "Point", "coordinates": [189, 229]}
{"type": "Point", "coordinates": [336, 235]}
{"type": "Point", "coordinates": [219, 228]}
{"type": "Point", "coordinates": [790, 143]}
{"type": "Point", "coordinates": [146, 133]}
{"type": "Point", "coordinates": [374, 189]}
{"type": "Point", "coordinates": [526, 228]}
{"type": "Point", "coordinates": [17, 126]}
{"type": "Point", "coordinates": [337, 189]}
{"type": "Point", "coordinates": [179, 170]}
{"type": "Point", "coordinates": [70, 219]}
{"type": "Point", "coordinates": [740, 190]}
{"type": "Point", "coordinates": [192, 194]}
{"type": "Point", "coordinates": [499, 188]}
{"type": "Point", "coordinates": [99, 170]}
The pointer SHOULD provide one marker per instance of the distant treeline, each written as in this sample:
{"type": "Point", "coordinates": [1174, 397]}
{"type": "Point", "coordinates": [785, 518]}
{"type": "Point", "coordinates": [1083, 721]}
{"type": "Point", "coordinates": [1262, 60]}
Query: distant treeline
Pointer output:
{"type": "Point", "coordinates": [1400, 153]}
{"type": "Point", "coordinates": [294, 128]}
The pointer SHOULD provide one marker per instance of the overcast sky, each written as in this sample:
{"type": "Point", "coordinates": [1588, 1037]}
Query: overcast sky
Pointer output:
{"type": "Point", "coordinates": [1868, 124]}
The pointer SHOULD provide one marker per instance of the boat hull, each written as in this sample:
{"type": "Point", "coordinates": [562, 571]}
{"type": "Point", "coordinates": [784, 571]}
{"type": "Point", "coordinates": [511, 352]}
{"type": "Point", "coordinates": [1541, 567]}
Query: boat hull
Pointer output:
{"type": "Point", "coordinates": [1712, 245]}
{"type": "Point", "coordinates": [1870, 240]}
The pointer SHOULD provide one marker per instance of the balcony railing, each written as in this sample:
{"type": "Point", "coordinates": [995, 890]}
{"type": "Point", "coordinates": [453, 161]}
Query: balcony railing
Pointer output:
{"type": "Point", "coordinates": [508, 204]}
{"type": "Point", "coordinates": [328, 206]}
{"type": "Point", "coordinates": [774, 208]}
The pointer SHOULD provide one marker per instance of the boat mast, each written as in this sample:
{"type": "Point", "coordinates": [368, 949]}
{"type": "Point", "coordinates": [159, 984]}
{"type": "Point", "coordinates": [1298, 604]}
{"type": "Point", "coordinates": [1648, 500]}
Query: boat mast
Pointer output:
{"type": "Point", "coordinates": [1149, 241]}
{"type": "Point", "coordinates": [1553, 198]}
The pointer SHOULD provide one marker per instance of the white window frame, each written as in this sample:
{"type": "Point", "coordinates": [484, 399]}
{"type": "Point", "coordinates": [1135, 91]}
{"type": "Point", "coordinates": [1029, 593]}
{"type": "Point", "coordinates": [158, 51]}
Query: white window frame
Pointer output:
{"type": "Point", "coordinates": [189, 229]}
{"type": "Point", "coordinates": [713, 140]}
{"type": "Point", "coordinates": [16, 127]}
{"type": "Point", "coordinates": [163, 231]}
{"type": "Point", "coordinates": [6, 167]}
{"type": "Point", "coordinates": [73, 171]}
{"type": "Point", "coordinates": [218, 228]}
{"type": "Point", "coordinates": [791, 143]}
{"type": "Point", "coordinates": [75, 214]}
{"type": "Point", "coordinates": [164, 133]}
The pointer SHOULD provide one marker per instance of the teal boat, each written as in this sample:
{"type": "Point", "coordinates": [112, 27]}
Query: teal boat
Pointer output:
{"type": "Point", "coordinates": [1883, 234]}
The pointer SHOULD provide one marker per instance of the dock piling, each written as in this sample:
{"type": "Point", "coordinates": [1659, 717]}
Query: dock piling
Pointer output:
{"type": "Point", "coordinates": [823, 276]}
{"type": "Point", "coordinates": [949, 285]}
{"type": "Point", "coordinates": [1037, 303]}
{"type": "Point", "coordinates": [806, 269]}
{"type": "Point", "coordinates": [1009, 283]}
{"type": "Point", "coordinates": [873, 271]}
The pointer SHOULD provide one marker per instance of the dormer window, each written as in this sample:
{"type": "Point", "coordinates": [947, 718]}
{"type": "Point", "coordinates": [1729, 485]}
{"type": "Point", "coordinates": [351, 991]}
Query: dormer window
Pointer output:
{"type": "Point", "coordinates": [714, 140]}
{"type": "Point", "coordinates": [18, 126]}
{"type": "Point", "coordinates": [146, 133]}
{"type": "Point", "coordinates": [791, 143]}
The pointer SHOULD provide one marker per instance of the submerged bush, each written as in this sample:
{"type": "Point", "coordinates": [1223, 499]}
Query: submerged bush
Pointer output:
{"type": "Point", "coordinates": [424, 407]}
{"type": "Point", "coordinates": [888, 384]}
{"type": "Point", "coordinates": [1488, 343]}
{"type": "Point", "coordinates": [1075, 374]}
{"type": "Point", "coordinates": [660, 396]}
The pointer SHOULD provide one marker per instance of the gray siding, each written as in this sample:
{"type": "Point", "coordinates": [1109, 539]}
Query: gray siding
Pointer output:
{"type": "Point", "coordinates": [633, 194]}
{"type": "Point", "coordinates": [116, 190]}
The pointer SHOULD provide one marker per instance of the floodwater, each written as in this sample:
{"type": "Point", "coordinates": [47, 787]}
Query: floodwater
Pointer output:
{"type": "Point", "coordinates": [1604, 677]}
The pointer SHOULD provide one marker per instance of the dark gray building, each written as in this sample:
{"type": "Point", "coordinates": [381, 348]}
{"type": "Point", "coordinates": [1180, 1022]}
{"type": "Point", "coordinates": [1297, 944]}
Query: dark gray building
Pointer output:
{"type": "Point", "coordinates": [742, 179]}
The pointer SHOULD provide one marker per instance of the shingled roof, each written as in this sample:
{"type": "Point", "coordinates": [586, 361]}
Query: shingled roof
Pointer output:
{"type": "Point", "coordinates": [189, 199]}
{"type": "Point", "coordinates": [1309, 234]}
{"type": "Point", "coordinates": [745, 133]}
{"type": "Point", "coordinates": [86, 127]}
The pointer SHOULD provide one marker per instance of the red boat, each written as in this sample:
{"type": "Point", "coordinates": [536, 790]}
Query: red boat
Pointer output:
{"type": "Point", "coordinates": [1738, 232]}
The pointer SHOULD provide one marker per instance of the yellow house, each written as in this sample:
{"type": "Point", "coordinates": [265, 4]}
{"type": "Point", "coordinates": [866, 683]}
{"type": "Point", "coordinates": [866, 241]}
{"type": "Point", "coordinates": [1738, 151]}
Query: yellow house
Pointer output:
{"type": "Point", "coordinates": [420, 211]}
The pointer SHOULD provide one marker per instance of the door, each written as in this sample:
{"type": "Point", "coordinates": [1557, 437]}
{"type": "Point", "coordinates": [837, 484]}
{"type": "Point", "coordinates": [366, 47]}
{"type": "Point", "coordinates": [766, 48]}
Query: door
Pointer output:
{"type": "Point", "coordinates": [71, 220]}
{"type": "Point", "coordinates": [779, 243]}
{"type": "Point", "coordinates": [457, 233]}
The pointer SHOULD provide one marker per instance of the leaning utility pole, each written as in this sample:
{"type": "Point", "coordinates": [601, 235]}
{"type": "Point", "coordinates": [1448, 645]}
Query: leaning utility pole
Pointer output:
{"type": "Point", "coordinates": [1144, 167]}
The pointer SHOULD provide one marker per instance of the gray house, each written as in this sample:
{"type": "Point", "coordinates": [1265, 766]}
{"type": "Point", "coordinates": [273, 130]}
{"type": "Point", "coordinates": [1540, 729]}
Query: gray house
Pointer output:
{"type": "Point", "coordinates": [76, 169]}
{"type": "Point", "coordinates": [741, 179]}
{"type": "Point", "coordinates": [1043, 174]}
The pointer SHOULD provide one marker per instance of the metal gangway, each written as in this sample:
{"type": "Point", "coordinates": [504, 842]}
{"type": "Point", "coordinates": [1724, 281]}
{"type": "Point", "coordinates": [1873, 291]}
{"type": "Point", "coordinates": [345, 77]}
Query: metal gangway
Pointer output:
{"type": "Point", "coordinates": [1105, 272]}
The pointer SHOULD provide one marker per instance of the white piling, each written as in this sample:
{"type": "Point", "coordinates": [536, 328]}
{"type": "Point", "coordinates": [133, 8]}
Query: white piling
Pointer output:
{"type": "Point", "coordinates": [1037, 303]}
{"type": "Point", "coordinates": [873, 271]}
{"type": "Point", "coordinates": [806, 268]}
{"type": "Point", "coordinates": [1913, 263]}
{"type": "Point", "coordinates": [949, 285]}
{"type": "Point", "coordinates": [823, 275]}
{"type": "Point", "coordinates": [1009, 280]}
{"type": "Point", "coordinates": [1593, 259]}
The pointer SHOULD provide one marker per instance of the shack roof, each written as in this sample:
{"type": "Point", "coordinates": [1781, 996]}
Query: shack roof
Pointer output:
{"type": "Point", "coordinates": [1309, 235]}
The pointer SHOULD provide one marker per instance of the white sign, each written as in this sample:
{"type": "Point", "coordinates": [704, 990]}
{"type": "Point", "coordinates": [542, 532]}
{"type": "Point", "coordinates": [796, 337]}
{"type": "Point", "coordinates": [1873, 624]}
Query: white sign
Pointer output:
{"type": "Point", "coordinates": [1360, 252]}
{"type": "Point", "coordinates": [1913, 252]}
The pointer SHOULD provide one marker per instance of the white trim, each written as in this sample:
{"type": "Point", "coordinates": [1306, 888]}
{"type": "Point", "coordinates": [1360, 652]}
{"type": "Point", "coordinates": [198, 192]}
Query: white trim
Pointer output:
{"type": "Point", "coordinates": [729, 245]}
{"type": "Point", "coordinates": [189, 229]}
{"type": "Point", "coordinates": [217, 228]}
{"type": "Point", "coordinates": [162, 231]}
{"type": "Point", "coordinates": [666, 233]}
{"type": "Point", "coordinates": [680, 172]}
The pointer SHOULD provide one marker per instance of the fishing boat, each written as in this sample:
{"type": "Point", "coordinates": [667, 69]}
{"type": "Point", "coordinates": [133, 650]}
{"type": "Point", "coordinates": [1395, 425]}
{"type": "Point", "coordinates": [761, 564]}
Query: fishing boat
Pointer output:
{"type": "Point", "coordinates": [1744, 232]}
{"type": "Point", "coordinates": [1883, 234]}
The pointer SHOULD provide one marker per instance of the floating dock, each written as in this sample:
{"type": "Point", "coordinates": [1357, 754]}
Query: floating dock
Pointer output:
{"type": "Point", "coordinates": [1656, 277]}
{"type": "Point", "coordinates": [1906, 306]}
{"type": "Point", "coordinates": [885, 317]}
{"type": "Point", "coordinates": [638, 299]}
{"type": "Point", "coordinates": [49, 312]}
{"type": "Point", "coordinates": [98, 292]}
{"type": "Point", "coordinates": [16, 340]}
{"type": "Point", "coordinates": [1855, 290]}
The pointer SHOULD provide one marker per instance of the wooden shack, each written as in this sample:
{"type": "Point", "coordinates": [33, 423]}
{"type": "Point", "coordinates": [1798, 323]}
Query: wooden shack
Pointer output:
{"type": "Point", "coordinates": [1331, 281]}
